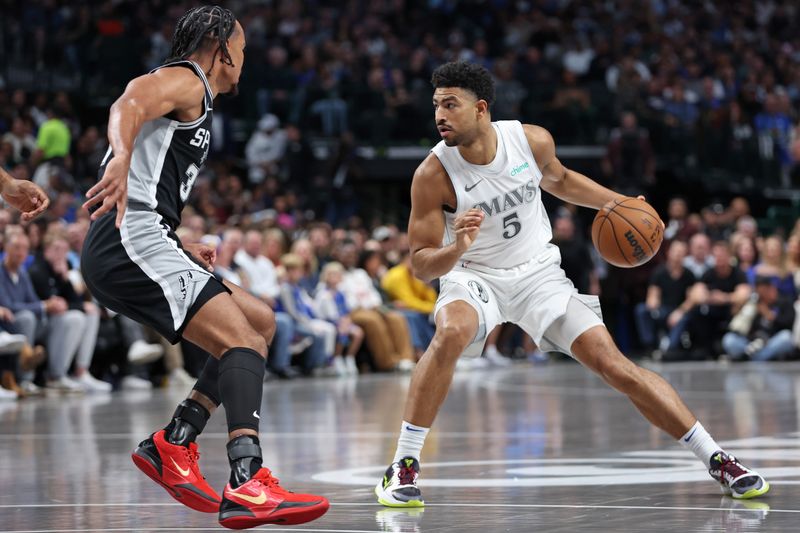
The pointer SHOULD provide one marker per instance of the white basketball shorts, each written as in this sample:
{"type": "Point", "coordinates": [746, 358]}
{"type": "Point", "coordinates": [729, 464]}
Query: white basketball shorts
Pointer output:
{"type": "Point", "coordinates": [536, 295]}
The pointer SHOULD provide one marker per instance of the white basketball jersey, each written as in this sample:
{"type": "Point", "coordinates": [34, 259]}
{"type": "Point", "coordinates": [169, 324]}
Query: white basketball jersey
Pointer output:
{"type": "Point", "coordinates": [516, 227]}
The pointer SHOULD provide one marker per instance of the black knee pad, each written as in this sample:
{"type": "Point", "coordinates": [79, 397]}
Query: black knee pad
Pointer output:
{"type": "Point", "coordinates": [241, 382]}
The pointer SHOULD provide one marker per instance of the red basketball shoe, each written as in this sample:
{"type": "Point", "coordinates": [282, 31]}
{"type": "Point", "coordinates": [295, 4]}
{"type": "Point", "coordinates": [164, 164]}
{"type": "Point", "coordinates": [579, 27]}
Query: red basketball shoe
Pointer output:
{"type": "Point", "coordinates": [175, 468]}
{"type": "Point", "coordinates": [261, 500]}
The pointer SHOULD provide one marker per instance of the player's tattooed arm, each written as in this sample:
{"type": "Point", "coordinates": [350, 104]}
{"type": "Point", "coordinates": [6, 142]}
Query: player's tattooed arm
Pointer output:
{"type": "Point", "coordinates": [145, 98]}
{"type": "Point", "coordinates": [558, 180]}
{"type": "Point", "coordinates": [430, 190]}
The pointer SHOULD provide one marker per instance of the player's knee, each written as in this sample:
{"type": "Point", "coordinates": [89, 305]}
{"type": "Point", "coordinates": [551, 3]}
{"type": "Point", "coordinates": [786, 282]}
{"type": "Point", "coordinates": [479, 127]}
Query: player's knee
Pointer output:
{"type": "Point", "coordinates": [250, 338]}
{"type": "Point", "coordinates": [269, 326]}
{"type": "Point", "coordinates": [262, 320]}
{"type": "Point", "coordinates": [455, 333]}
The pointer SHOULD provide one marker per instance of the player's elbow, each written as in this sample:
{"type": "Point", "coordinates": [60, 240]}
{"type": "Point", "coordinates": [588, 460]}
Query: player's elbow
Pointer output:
{"type": "Point", "coordinates": [418, 268]}
{"type": "Point", "coordinates": [422, 274]}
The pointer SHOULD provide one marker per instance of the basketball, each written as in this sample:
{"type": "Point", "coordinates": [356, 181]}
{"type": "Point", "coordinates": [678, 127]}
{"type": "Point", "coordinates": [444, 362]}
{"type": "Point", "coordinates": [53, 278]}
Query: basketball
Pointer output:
{"type": "Point", "coordinates": [627, 232]}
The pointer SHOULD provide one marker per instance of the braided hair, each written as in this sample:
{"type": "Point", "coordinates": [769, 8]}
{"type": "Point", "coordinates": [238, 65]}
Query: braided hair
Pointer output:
{"type": "Point", "coordinates": [197, 28]}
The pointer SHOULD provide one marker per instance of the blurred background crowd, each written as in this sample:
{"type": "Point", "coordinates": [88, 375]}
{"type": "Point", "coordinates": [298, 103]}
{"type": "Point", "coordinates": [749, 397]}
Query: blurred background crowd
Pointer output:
{"type": "Point", "coordinates": [305, 193]}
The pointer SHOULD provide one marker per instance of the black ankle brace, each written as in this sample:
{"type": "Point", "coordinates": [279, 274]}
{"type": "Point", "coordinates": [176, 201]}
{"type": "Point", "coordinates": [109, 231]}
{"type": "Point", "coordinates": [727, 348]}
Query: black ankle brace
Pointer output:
{"type": "Point", "coordinates": [187, 423]}
{"type": "Point", "coordinates": [244, 456]}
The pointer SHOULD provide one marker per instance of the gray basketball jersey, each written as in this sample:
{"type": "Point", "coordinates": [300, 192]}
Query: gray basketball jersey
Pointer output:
{"type": "Point", "coordinates": [516, 227]}
{"type": "Point", "coordinates": [167, 157]}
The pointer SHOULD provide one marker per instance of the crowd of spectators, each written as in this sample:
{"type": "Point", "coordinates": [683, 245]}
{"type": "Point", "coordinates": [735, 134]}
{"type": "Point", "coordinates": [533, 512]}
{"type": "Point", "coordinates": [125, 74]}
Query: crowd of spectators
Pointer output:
{"type": "Point", "coordinates": [346, 301]}
{"type": "Point", "coordinates": [661, 83]}
{"type": "Point", "coordinates": [717, 83]}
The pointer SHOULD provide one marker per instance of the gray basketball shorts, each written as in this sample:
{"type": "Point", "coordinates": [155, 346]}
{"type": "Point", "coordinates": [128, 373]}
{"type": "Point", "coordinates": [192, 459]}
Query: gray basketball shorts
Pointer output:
{"type": "Point", "coordinates": [141, 271]}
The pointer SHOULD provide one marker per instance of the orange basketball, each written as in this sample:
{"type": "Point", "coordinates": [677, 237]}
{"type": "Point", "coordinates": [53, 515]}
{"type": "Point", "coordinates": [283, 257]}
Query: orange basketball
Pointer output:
{"type": "Point", "coordinates": [627, 232]}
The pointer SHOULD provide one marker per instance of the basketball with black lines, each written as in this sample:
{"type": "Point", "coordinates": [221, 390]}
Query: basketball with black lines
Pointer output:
{"type": "Point", "coordinates": [627, 232]}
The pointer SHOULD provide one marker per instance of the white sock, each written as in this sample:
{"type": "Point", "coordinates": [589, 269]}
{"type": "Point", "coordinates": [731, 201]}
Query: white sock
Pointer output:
{"type": "Point", "coordinates": [410, 442]}
{"type": "Point", "coordinates": [492, 351]}
{"type": "Point", "coordinates": [700, 442]}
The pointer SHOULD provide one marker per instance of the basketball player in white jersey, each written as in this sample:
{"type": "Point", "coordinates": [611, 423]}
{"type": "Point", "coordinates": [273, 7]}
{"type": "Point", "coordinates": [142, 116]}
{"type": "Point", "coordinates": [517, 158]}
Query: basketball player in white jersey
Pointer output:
{"type": "Point", "coordinates": [159, 134]}
{"type": "Point", "coordinates": [478, 223]}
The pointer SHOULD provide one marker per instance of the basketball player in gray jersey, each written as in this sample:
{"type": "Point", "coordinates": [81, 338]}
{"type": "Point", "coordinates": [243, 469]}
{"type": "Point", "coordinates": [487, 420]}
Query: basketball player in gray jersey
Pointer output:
{"type": "Point", "coordinates": [477, 223]}
{"type": "Point", "coordinates": [160, 132]}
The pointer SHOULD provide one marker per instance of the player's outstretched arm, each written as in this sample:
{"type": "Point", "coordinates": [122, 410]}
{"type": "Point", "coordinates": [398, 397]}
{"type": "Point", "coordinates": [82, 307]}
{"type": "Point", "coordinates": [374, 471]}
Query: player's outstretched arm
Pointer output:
{"type": "Point", "coordinates": [566, 184]}
{"type": "Point", "coordinates": [145, 98]}
{"type": "Point", "coordinates": [23, 195]}
{"type": "Point", "coordinates": [429, 192]}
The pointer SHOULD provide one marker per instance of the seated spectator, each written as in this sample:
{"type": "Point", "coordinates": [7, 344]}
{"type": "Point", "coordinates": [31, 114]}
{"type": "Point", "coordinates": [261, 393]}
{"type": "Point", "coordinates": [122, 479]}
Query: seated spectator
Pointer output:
{"type": "Point", "coordinates": [387, 332]}
{"type": "Point", "coordinates": [745, 253]}
{"type": "Point", "coordinates": [225, 266]}
{"type": "Point", "coordinates": [412, 297]}
{"type": "Point", "coordinates": [721, 292]}
{"type": "Point", "coordinates": [23, 145]}
{"type": "Point", "coordinates": [746, 226]}
{"type": "Point", "coordinates": [274, 245]}
{"type": "Point", "coordinates": [699, 259]}
{"type": "Point", "coordinates": [667, 302]}
{"type": "Point", "coordinates": [311, 273]}
{"type": "Point", "coordinates": [677, 226]}
{"type": "Point", "coordinates": [332, 306]}
{"type": "Point", "coordinates": [11, 346]}
{"type": "Point", "coordinates": [262, 281]}
{"type": "Point", "coordinates": [51, 318]}
{"type": "Point", "coordinates": [49, 274]}
{"type": "Point", "coordinates": [258, 270]}
{"type": "Point", "coordinates": [297, 303]}
{"type": "Point", "coordinates": [320, 236]}
{"type": "Point", "coordinates": [714, 222]}
{"type": "Point", "coordinates": [762, 330]}
{"type": "Point", "coordinates": [265, 149]}
{"type": "Point", "coordinates": [773, 265]}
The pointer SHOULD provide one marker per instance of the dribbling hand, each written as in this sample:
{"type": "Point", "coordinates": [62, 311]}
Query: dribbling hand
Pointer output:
{"type": "Point", "coordinates": [641, 197]}
{"type": "Point", "coordinates": [467, 226]}
{"type": "Point", "coordinates": [112, 190]}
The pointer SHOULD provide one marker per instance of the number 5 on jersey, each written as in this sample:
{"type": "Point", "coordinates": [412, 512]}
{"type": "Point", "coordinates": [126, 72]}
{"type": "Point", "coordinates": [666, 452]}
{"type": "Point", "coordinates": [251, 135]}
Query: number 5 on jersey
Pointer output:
{"type": "Point", "coordinates": [511, 225]}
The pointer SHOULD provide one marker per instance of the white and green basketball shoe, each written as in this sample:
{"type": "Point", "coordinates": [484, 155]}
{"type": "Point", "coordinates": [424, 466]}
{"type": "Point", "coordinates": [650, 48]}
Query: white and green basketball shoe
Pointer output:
{"type": "Point", "coordinates": [398, 488]}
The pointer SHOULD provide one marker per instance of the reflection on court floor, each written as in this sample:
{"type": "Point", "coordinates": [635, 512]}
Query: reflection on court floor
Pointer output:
{"type": "Point", "coordinates": [520, 449]}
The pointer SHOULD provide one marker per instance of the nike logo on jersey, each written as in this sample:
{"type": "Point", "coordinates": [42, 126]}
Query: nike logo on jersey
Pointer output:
{"type": "Point", "coordinates": [470, 187]}
{"type": "Point", "coordinates": [183, 472]}
{"type": "Point", "coordinates": [255, 414]}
